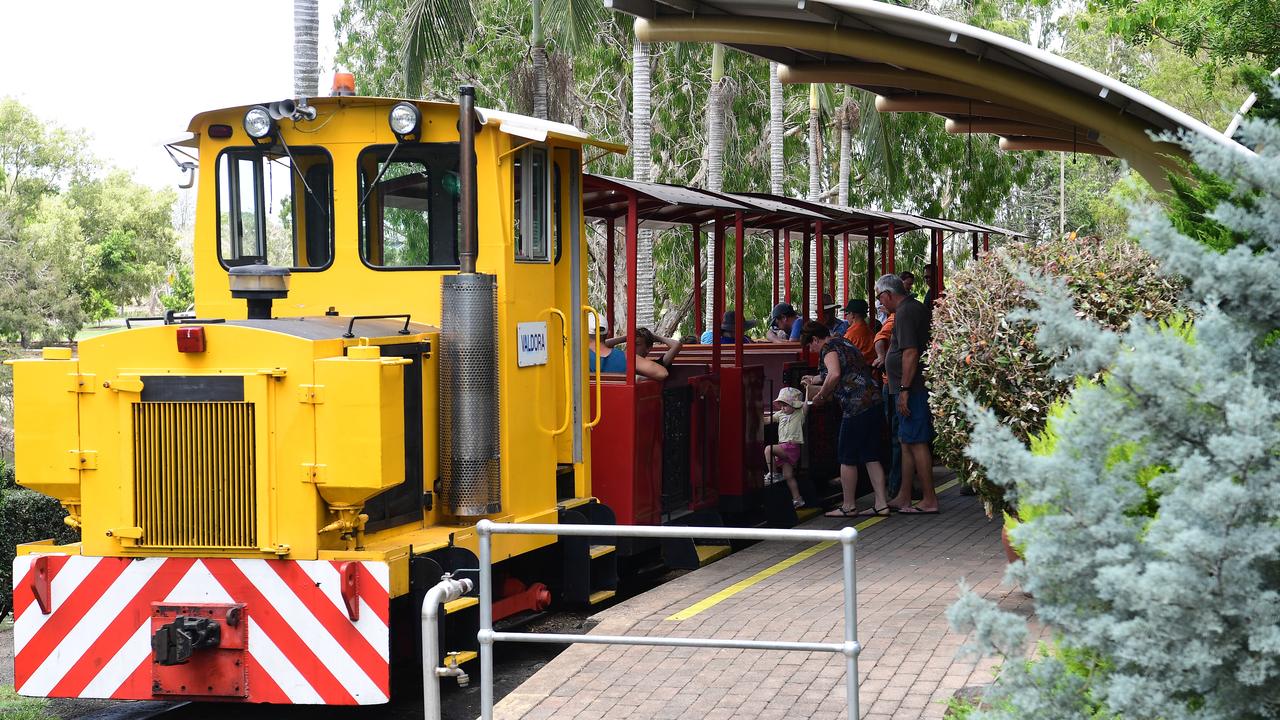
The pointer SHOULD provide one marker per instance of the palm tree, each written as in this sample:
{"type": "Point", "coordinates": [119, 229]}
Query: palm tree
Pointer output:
{"type": "Point", "coordinates": [715, 160]}
{"type": "Point", "coordinates": [815, 191]}
{"type": "Point", "coordinates": [776, 130]}
{"type": "Point", "coordinates": [846, 162]}
{"type": "Point", "coordinates": [306, 48]}
{"type": "Point", "coordinates": [434, 28]}
{"type": "Point", "coordinates": [538, 51]}
{"type": "Point", "coordinates": [642, 169]}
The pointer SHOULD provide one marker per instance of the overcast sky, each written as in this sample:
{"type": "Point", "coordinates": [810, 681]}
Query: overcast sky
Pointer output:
{"type": "Point", "coordinates": [134, 73]}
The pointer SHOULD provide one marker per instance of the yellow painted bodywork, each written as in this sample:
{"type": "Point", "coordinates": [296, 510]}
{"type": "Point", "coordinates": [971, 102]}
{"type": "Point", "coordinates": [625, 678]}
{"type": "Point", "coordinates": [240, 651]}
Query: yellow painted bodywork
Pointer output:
{"type": "Point", "coordinates": [329, 429]}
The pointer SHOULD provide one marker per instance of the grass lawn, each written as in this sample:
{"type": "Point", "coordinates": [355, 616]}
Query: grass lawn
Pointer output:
{"type": "Point", "coordinates": [89, 332]}
{"type": "Point", "coordinates": [14, 707]}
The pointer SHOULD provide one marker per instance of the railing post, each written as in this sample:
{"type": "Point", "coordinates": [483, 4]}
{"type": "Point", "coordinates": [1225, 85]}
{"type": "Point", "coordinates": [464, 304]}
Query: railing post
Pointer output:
{"type": "Point", "coordinates": [851, 647]}
{"type": "Point", "coordinates": [485, 636]}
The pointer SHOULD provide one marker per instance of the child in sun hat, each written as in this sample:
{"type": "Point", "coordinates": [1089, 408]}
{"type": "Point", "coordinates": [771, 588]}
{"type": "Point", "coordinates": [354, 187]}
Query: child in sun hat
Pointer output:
{"type": "Point", "coordinates": [789, 410]}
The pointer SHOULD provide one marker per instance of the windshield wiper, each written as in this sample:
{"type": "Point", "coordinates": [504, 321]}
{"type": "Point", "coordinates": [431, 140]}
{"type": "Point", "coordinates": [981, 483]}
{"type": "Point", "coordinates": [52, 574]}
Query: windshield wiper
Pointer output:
{"type": "Point", "coordinates": [307, 186]}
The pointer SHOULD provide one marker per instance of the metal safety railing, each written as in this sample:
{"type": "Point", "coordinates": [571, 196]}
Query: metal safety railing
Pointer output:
{"type": "Point", "coordinates": [846, 537]}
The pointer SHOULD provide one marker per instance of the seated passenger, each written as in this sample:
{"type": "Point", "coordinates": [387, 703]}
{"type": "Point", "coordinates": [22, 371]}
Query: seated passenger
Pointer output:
{"type": "Point", "coordinates": [613, 360]}
{"type": "Point", "coordinates": [784, 324]}
{"type": "Point", "coordinates": [727, 327]}
{"type": "Point", "coordinates": [645, 340]}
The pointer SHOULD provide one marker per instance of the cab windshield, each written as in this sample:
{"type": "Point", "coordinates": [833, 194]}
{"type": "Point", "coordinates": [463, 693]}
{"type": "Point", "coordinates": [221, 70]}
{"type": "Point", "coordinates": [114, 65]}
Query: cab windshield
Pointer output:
{"type": "Point", "coordinates": [275, 206]}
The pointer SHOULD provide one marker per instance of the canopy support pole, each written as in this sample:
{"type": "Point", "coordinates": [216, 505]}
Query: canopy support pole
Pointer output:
{"type": "Point", "coordinates": [608, 276]}
{"type": "Point", "coordinates": [738, 243]}
{"type": "Point", "coordinates": [892, 252]}
{"type": "Point", "coordinates": [633, 250]}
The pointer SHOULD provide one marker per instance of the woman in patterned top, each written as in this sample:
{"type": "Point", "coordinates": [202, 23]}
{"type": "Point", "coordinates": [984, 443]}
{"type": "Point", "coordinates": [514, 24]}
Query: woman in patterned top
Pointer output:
{"type": "Point", "coordinates": [847, 376]}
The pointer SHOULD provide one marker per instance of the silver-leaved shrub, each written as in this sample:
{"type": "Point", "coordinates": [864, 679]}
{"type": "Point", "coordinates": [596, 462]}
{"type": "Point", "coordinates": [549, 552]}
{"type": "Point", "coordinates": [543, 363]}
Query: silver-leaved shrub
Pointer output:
{"type": "Point", "coordinates": [1154, 554]}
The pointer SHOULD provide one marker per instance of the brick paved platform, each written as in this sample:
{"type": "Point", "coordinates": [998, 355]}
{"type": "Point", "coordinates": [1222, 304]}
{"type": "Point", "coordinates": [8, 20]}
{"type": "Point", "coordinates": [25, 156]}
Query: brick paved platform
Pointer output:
{"type": "Point", "coordinates": [908, 569]}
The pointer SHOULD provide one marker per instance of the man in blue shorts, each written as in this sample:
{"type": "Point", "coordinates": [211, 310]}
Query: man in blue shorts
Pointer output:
{"type": "Point", "coordinates": [915, 425]}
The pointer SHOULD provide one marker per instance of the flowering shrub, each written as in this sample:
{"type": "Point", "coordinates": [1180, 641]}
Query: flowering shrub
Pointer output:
{"type": "Point", "coordinates": [980, 352]}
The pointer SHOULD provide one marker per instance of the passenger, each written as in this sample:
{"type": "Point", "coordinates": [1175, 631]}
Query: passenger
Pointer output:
{"type": "Point", "coordinates": [847, 376]}
{"type": "Point", "coordinates": [727, 326]}
{"type": "Point", "coordinates": [915, 427]}
{"type": "Point", "coordinates": [859, 333]}
{"type": "Point", "coordinates": [789, 411]}
{"type": "Point", "coordinates": [890, 398]}
{"type": "Point", "coordinates": [834, 324]}
{"type": "Point", "coordinates": [784, 324]}
{"type": "Point", "coordinates": [613, 360]}
{"type": "Point", "coordinates": [909, 279]}
{"type": "Point", "coordinates": [645, 340]}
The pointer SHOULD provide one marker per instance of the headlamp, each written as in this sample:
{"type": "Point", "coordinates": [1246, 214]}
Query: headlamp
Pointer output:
{"type": "Point", "coordinates": [405, 119]}
{"type": "Point", "coordinates": [258, 123]}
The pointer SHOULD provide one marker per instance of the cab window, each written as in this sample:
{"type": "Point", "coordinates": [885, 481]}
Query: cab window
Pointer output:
{"type": "Point", "coordinates": [532, 205]}
{"type": "Point", "coordinates": [409, 206]}
{"type": "Point", "coordinates": [275, 207]}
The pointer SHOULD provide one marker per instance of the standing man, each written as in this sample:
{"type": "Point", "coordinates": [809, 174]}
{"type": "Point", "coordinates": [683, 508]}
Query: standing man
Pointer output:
{"type": "Point", "coordinates": [915, 425]}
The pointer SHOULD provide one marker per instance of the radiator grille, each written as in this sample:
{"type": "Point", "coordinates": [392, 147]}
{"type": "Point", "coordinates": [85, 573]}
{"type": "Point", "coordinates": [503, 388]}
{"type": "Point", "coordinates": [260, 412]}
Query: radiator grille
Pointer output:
{"type": "Point", "coordinates": [194, 475]}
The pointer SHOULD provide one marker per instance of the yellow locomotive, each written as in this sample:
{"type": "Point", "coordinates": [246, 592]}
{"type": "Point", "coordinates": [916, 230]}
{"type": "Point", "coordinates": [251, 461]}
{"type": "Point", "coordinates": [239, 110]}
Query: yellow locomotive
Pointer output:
{"type": "Point", "coordinates": [388, 344]}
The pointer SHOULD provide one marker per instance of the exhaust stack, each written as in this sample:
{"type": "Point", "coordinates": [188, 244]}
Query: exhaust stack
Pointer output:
{"type": "Point", "coordinates": [470, 467]}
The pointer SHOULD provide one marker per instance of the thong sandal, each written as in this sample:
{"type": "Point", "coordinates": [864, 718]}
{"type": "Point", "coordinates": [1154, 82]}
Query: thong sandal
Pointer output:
{"type": "Point", "coordinates": [873, 512]}
{"type": "Point", "coordinates": [840, 512]}
{"type": "Point", "coordinates": [913, 510]}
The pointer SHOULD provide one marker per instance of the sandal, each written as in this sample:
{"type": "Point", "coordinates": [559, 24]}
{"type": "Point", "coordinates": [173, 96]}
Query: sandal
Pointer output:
{"type": "Point", "coordinates": [797, 503]}
{"type": "Point", "coordinates": [840, 512]}
{"type": "Point", "coordinates": [873, 512]}
{"type": "Point", "coordinates": [913, 510]}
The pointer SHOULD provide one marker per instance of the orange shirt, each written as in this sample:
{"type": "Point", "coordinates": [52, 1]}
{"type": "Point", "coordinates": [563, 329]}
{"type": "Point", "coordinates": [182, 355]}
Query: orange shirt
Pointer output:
{"type": "Point", "coordinates": [886, 331]}
{"type": "Point", "coordinates": [859, 333]}
{"type": "Point", "coordinates": [885, 334]}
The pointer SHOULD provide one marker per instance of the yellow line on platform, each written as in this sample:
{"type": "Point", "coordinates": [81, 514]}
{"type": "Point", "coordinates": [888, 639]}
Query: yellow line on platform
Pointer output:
{"type": "Point", "coordinates": [734, 589]}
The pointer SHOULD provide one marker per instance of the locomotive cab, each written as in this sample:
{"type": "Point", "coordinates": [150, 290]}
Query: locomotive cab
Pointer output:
{"type": "Point", "coordinates": [387, 346]}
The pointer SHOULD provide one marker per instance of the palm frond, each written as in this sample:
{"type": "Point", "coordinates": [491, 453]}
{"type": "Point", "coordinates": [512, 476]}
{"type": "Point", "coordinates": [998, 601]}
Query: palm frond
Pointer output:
{"type": "Point", "coordinates": [873, 136]}
{"type": "Point", "coordinates": [432, 30]}
{"type": "Point", "coordinates": [573, 23]}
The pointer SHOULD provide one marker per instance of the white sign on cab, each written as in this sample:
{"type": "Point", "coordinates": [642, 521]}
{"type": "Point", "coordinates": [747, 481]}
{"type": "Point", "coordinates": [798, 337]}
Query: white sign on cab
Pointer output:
{"type": "Point", "coordinates": [531, 344]}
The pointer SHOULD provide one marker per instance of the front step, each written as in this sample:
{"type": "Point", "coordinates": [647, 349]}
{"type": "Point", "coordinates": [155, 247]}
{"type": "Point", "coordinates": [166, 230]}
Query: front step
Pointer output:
{"type": "Point", "coordinates": [460, 604]}
{"type": "Point", "coordinates": [600, 596]}
{"type": "Point", "coordinates": [590, 565]}
{"type": "Point", "coordinates": [708, 554]}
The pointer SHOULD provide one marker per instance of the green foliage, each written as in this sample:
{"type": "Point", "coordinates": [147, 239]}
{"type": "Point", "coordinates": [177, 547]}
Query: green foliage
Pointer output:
{"type": "Point", "coordinates": [15, 707]}
{"type": "Point", "coordinates": [982, 349]}
{"type": "Point", "coordinates": [25, 516]}
{"type": "Point", "coordinates": [182, 290]}
{"type": "Point", "coordinates": [74, 246]}
{"type": "Point", "coordinates": [1229, 31]}
{"type": "Point", "coordinates": [1155, 560]}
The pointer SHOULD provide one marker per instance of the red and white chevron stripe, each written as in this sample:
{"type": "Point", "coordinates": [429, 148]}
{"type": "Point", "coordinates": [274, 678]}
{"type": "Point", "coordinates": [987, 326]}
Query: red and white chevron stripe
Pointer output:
{"type": "Point", "coordinates": [301, 645]}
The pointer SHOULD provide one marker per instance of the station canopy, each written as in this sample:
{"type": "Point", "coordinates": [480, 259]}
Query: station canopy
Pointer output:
{"type": "Point", "coordinates": [980, 81]}
{"type": "Point", "coordinates": [661, 206]}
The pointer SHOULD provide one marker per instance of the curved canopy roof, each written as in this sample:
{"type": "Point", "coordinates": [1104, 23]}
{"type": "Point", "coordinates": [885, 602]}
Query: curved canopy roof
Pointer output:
{"type": "Point", "coordinates": [982, 82]}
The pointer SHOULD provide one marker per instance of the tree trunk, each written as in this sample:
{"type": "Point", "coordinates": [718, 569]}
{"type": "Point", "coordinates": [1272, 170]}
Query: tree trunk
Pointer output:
{"type": "Point", "coordinates": [815, 190]}
{"type": "Point", "coordinates": [538, 50]}
{"type": "Point", "coordinates": [306, 47]}
{"type": "Point", "coordinates": [715, 162]}
{"type": "Point", "coordinates": [846, 164]}
{"type": "Point", "coordinates": [642, 169]}
{"type": "Point", "coordinates": [776, 130]}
